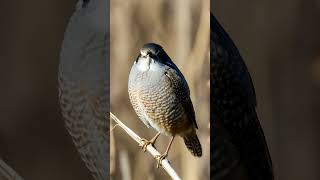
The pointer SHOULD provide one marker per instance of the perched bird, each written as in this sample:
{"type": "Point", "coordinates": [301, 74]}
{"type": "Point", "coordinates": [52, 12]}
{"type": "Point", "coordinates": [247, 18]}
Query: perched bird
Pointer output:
{"type": "Point", "coordinates": [160, 96]}
{"type": "Point", "coordinates": [83, 84]}
{"type": "Point", "coordinates": [239, 148]}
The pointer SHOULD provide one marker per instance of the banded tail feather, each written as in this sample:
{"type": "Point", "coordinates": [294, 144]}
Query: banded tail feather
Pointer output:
{"type": "Point", "coordinates": [193, 144]}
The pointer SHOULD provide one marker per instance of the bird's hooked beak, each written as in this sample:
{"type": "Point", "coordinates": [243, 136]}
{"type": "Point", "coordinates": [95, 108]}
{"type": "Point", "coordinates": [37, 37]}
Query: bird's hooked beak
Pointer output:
{"type": "Point", "coordinates": [144, 61]}
{"type": "Point", "coordinates": [143, 53]}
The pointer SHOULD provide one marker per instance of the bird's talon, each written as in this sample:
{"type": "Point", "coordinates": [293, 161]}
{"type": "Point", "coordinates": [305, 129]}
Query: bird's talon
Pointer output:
{"type": "Point", "coordinates": [160, 158]}
{"type": "Point", "coordinates": [145, 144]}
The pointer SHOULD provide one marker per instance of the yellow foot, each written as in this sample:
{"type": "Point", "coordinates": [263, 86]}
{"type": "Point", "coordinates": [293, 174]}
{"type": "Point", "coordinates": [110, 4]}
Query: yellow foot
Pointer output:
{"type": "Point", "coordinates": [145, 144]}
{"type": "Point", "coordinates": [160, 158]}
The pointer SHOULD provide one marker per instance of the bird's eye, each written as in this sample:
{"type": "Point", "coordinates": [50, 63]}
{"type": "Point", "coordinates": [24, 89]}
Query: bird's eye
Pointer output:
{"type": "Point", "coordinates": [152, 55]}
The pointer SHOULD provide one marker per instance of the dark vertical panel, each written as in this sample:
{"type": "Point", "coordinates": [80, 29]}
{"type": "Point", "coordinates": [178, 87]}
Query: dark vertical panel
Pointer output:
{"type": "Point", "coordinates": [33, 138]}
{"type": "Point", "coordinates": [279, 42]}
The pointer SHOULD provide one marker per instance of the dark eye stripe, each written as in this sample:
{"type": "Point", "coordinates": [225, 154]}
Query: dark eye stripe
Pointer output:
{"type": "Point", "coordinates": [137, 59]}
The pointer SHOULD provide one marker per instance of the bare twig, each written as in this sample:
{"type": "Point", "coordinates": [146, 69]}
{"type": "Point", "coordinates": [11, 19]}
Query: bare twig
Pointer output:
{"type": "Point", "coordinates": [7, 173]}
{"type": "Point", "coordinates": [165, 163]}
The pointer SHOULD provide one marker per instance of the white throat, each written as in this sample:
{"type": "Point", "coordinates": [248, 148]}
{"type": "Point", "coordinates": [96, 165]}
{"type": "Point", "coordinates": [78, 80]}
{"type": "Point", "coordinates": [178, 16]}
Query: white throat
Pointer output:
{"type": "Point", "coordinates": [144, 64]}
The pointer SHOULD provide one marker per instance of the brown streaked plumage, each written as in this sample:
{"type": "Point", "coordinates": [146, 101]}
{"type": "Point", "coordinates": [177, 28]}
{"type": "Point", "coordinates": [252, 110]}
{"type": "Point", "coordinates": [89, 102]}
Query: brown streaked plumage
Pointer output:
{"type": "Point", "coordinates": [160, 96]}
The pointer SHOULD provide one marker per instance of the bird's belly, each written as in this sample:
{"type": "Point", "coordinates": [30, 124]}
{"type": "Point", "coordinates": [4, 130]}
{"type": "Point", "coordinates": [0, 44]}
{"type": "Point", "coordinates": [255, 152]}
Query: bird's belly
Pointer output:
{"type": "Point", "coordinates": [171, 127]}
{"type": "Point", "coordinates": [163, 108]}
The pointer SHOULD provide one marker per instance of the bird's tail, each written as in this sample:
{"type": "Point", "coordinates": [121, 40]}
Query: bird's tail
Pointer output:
{"type": "Point", "coordinates": [193, 144]}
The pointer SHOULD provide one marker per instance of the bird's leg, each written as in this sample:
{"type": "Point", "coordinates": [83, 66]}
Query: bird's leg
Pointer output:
{"type": "Point", "coordinates": [165, 154]}
{"type": "Point", "coordinates": [146, 142]}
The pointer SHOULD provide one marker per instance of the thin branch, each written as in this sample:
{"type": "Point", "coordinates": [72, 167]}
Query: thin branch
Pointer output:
{"type": "Point", "coordinates": [165, 163]}
{"type": "Point", "coordinates": [7, 173]}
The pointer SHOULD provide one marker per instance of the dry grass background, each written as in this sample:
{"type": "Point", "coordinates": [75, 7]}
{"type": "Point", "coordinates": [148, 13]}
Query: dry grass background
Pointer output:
{"type": "Point", "coordinates": [182, 28]}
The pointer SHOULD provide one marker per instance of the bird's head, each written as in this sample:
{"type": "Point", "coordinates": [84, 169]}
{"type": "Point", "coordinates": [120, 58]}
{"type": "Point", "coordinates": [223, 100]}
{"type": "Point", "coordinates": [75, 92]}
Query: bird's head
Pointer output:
{"type": "Point", "coordinates": [151, 57]}
{"type": "Point", "coordinates": [150, 49]}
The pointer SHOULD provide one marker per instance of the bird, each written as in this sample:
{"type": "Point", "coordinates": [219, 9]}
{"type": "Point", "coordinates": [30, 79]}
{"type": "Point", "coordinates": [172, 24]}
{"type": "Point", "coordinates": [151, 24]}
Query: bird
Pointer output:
{"type": "Point", "coordinates": [83, 84]}
{"type": "Point", "coordinates": [238, 149]}
{"type": "Point", "coordinates": [160, 97]}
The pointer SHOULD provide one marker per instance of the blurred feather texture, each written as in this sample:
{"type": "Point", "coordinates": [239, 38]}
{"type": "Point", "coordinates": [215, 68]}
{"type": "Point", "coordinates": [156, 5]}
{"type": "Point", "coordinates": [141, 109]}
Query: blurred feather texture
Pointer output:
{"type": "Point", "coordinates": [84, 86]}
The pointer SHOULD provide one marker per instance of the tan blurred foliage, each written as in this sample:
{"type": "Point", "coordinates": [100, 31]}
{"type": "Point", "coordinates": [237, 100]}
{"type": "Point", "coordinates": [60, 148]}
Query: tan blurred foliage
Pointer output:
{"type": "Point", "coordinates": [181, 27]}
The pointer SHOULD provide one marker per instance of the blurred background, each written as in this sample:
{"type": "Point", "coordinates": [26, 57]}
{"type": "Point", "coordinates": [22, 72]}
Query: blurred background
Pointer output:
{"type": "Point", "coordinates": [280, 42]}
{"type": "Point", "coordinates": [33, 138]}
{"type": "Point", "coordinates": [181, 27]}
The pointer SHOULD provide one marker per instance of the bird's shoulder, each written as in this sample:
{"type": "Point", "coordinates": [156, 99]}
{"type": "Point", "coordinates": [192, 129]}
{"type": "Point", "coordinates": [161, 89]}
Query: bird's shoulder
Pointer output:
{"type": "Point", "coordinates": [181, 90]}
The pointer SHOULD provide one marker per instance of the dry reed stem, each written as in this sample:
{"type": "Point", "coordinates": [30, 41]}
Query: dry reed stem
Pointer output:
{"type": "Point", "coordinates": [165, 163]}
{"type": "Point", "coordinates": [7, 172]}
